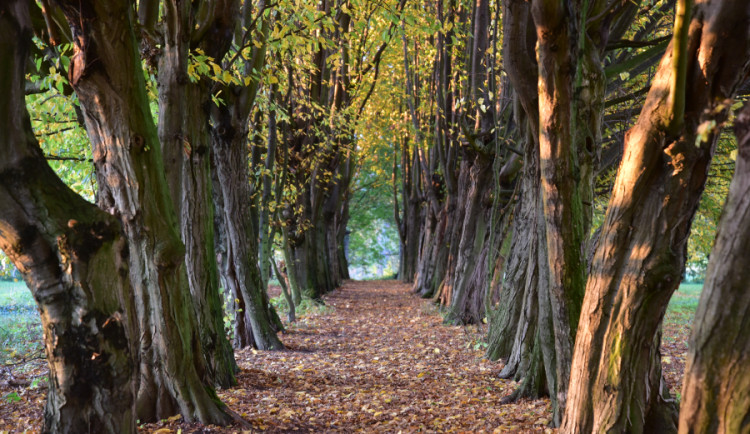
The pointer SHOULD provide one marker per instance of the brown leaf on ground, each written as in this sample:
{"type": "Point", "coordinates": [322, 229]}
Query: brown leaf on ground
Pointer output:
{"type": "Point", "coordinates": [379, 360]}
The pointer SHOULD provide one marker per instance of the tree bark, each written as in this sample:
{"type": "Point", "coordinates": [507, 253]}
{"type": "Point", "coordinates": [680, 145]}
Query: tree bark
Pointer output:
{"type": "Point", "coordinates": [184, 136]}
{"type": "Point", "coordinates": [240, 271]}
{"type": "Point", "coordinates": [73, 258]}
{"type": "Point", "coordinates": [467, 303]}
{"type": "Point", "coordinates": [717, 375]}
{"type": "Point", "coordinates": [107, 76]}
{"type": "Point", "coordinates": [236, 237]}
{"type": "Point", "coordinates": [615, 381]}
{"type": "Point", "coordinates": [411, 222]}
{"type": "Point", "coordinates": [563, 211]}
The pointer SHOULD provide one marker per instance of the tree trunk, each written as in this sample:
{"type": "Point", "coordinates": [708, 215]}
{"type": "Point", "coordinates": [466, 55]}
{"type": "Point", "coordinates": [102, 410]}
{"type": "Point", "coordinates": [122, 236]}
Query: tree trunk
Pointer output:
{"type": "Point", "coordinates": [452, 237]}
{"type": "Point", "coordinates": [107, 76]}
{"type": "Point", "coordinates": [615, 382]}
{"type": "Point", "coordinates": [560, 183]}
{"type": "Point", "coordinates": [184, 136]}
{"type": "Point", "coordinates": [410, 221]}
{"type": "Point", "coordinates": [239, 263]}
{"type": "Point", "coordinates": [73, 258]}
{"type": "Point", "coordinates": [440, 249]}
{"type": "Point", "coordinates": [236, 236]}
{"type": "Point", "coordinates": [513, 322]}
{"type": "Point", "coordinates": [309, 255]}
{"type": "Point", "coordinates": [467, 304]}
{"type": "Point", "coordinates": [717, 376]}
{"type": "Point", "coordinates": [427, 254]}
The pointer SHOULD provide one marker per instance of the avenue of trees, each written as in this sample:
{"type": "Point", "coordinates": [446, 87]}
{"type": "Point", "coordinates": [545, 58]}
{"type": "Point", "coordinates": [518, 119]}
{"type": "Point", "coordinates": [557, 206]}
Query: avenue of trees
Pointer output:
{"type": "Point", "coordinates": [552, 168]}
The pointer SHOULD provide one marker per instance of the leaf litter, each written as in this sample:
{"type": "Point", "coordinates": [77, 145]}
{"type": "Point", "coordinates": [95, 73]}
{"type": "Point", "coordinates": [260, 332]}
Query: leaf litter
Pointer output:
{"type": "Point", "coordinates": [378, 359]}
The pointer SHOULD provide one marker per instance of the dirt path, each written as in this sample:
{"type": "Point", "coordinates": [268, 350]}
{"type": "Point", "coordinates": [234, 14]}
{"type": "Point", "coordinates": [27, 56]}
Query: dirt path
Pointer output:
{"type": "Point", "coordinates": [378, 360]}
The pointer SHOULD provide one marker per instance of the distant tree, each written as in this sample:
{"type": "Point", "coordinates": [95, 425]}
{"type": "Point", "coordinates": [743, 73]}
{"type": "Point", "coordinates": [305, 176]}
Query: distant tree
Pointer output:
{"type": "Point", "coordinates": [330, 80]}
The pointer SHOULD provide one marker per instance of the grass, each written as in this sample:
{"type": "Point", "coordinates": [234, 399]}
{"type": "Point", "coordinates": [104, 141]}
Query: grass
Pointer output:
{"type": "Point", "coordinates": [307, 307]}
{"type": "Point", "coordinates": [20, 329]}
{"type": "Point", "coordinates": [683, 304]}
{"type": "Point", "coordinates": [15, 294]}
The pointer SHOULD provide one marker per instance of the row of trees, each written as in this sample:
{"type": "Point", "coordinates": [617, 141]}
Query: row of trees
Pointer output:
{"type": "Point", "coordinates": [221, 130]}
{"type": "Point", "coordinates": [508, 207]}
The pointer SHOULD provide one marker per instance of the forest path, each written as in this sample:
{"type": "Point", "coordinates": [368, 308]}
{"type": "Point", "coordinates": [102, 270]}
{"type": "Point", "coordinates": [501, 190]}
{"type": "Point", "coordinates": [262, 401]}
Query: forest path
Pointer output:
{"type": "Point", "coordinates": [378, 359]}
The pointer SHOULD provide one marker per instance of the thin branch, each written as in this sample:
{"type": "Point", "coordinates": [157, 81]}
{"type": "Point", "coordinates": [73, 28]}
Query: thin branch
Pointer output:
{"type": "Point", "coordinates": [677, 89]}
{"type": "Point", "coordinates": [66, 158]}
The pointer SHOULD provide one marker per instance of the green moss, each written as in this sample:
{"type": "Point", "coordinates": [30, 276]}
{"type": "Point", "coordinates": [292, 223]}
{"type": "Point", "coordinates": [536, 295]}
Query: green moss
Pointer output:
{"type": "Point", "coordinates": [615, 353]}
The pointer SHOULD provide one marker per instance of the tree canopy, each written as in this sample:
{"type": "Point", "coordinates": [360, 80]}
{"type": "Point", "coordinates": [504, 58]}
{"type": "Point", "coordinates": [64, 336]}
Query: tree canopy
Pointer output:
{"type": "Point", "coordinates": [552, 169]}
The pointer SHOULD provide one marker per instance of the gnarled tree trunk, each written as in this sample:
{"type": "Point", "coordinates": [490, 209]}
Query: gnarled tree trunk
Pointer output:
{"type": "Point", "coordinates": [615, 381]}
{"type": "Point", "coordinates": [107, 77]}
{"type": "Point", "coordinates": [717, 375]}
{"type": "Point", "coordinates": [73, 257]}
{"type": "Point", "coordinates": [184, 136]}
{"type": "Point", "coordinates": [236, 238]}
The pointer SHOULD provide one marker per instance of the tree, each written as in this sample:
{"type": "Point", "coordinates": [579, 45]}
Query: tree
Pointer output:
{"type": "Point", "coordinates": [560, 100]}
{"type": "Point", "coordinates": [714, 392]}
{"type": "Point", "coordinates": [73, 257]}
{"type": "Point", "coordinates": [616, 379]}
{"type": "Point", "coordinates": [107, 77]}
{"type": "Point", "coordinates": [237, 238]}
{"type": "Point", "coordinates": [183, 128]}
{"type": "Point", "coordinates": [328, 91]}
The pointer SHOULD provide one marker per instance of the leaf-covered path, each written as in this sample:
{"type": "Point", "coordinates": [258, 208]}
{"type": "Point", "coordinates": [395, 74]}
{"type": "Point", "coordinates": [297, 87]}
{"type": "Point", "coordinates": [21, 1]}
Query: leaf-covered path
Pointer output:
{"type": "Point", "coordinates": [376, 359]}
{"type": "Point", "coordinates": [379, 359]}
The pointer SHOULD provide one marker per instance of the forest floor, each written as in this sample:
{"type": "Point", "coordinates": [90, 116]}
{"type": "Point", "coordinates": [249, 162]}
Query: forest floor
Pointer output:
{"type": "Point", "coordinates": [375, 359]}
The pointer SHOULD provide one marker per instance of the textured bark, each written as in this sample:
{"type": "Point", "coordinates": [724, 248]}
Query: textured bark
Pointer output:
{"type": "Point", "coordinates": [440, 254]}
{"type": "Point", "coordinates": [521, 326]}
{"type": "Point", "coordinates": [615, 384]}
{"type": "Point", "coordinates": [514, 322]}
{"type": "Point", "coordinates": [453, 234]}
{"type": "Point", "coordinates": [73, 258]}
{"type": "Point", "coordinates": [427, 254]}
{"type": "Point", "coordinates": [107, 76]}
{"type": "Point", "coordinates": [411, 222]}
{"type": "Point", "coordinates": [715, 395]}
{"type": "Point", "coordinates": [184, 136]}
{"type": "Point", "coordinates": [505, 317]}
{"type": "Point", "coordinates": [237, 238]}
{"type": "Point", "coordinates": [239, 262]}
{"type": "Point", "coordinates": [469, 279]}
{"type": "Point", "coordinates": [563, 213]}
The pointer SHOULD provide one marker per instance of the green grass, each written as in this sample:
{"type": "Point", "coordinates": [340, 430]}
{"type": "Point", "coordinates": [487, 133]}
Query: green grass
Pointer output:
{"type": "Point", "coordinates": [20, 328]}
{"type": "Point", "coordinates": [307, 307]}
{"type": "Point", "coordinates": [15, 294]}
{"type": "Point", "coordinates": [683, 304]}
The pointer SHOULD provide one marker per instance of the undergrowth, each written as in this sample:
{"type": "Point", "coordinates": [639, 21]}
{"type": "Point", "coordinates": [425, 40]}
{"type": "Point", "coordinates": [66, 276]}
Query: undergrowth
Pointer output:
{"type": "Point", "coordinates": [20, 328]}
